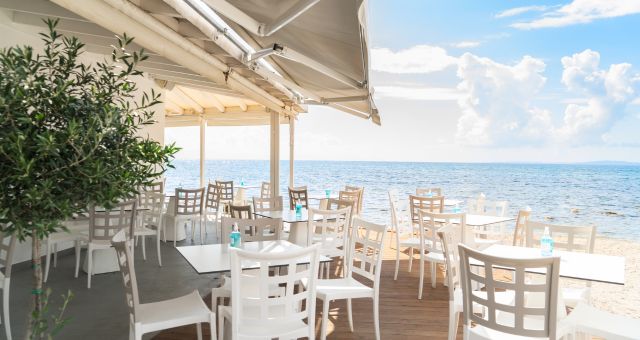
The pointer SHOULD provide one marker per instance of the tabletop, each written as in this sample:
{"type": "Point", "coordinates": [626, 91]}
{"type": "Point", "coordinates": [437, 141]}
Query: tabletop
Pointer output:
{"type": "Point", "coordinates": [288, 216]}
{"type": "Point", "coordinates": [574, 265]}
{"type": "Point", "coordinates": [214, 258]}
{"type": "Point", "coordinates": [482, 220]}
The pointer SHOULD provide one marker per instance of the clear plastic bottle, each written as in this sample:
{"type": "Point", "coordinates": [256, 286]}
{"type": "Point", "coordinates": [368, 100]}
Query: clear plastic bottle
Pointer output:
{"type": "Point", "coordinates": [234, 238]}
{"type": "Point", "coordinates": [546, 243]}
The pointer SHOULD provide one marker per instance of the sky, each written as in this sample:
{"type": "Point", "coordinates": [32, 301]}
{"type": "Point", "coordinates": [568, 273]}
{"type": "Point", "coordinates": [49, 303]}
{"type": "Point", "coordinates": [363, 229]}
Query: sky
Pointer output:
{"type": "Point", "coordinates": [477, 81]}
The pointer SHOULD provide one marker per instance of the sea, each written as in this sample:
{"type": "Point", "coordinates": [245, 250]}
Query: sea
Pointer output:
{"type": "Point", "coordinates": [605, 195]}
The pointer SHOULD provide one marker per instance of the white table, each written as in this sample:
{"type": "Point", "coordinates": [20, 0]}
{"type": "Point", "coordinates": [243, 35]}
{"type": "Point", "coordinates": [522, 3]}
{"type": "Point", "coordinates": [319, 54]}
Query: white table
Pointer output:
{"type": "Point", "coordinates": [574, 265]}
{"type": "Point", "coordinates": [298, 232]}
{"type": "Point", "coordinates": [485, 220]}
{"type": "Point", "coordinates": [214, 258]}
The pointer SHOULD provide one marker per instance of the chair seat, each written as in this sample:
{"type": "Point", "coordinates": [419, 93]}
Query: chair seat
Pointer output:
{"type": "Point", "coordinates": [185, 310]}
{"type": "Point", "coordinates": [435, 257]}
{"type": "Point", "coordinates": [574, 295]}
{"type": "Point", "coordinates": [144, 231]}
{"type": "Point", "coordinates": [595, 322]}
{"type": "Point", "coordinates": [63, 236]}
{"type": "Point", "coordinates": [100, 244]}
{"type": "Point", "coordinates": [342, 288]}
{"type": "Point", "coordinates": [250, 326]}
{"type": "Point", "coordinates": [249, 287]}
{"type": "Point", "coordinates": [414, 242]}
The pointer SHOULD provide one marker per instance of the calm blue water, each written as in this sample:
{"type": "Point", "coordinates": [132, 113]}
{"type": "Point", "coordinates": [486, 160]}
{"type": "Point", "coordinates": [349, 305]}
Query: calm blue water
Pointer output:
{"type": "Point", "coordinates": [605, 195]}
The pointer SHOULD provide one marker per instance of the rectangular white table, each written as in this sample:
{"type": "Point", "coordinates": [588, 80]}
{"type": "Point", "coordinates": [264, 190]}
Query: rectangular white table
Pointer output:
{"type": "Point", "coordinates": [574, 265]}
{"type": "Point", "coordinates": [214, 258]}
{"type": "Point", "coordinates": [485, 220]}
{"type": "Point", "coordinates": [298, 232]}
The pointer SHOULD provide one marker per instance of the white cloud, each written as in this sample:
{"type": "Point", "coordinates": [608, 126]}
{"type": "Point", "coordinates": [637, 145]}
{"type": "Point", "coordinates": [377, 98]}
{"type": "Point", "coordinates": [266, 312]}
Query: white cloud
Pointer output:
{"type": "Point", "coordinates": [580, 12]}
{"type": "Point", "coordinates": [417, 59]}
{"type": "Point", "coordinates": [466, 44]}
{"type": "Point", "coordinates": [418, 93]}
{"type": "Point", "coordinates": [520, 10]}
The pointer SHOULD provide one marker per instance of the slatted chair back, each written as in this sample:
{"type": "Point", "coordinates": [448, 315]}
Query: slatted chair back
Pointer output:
{"type": "Point", "coordinates": [496, 208]}
{"type": "Point", "coordinates": [426, 191]}
{"type": "Point", "coordinates": [522, 316]}
{"type": "Point", "coordinates": [432, 204]}
{"type": "Point", "coordinates": [226, 190]}
{"type": "Point", "coordinates": [476, 205]}
{"type": "Point", "coordinates": [267, 204]}
{"type": "Point", "coordinates": [296, 302]}
{"type": "Point", "coordinates": [152, 203]}
{"type": "Point", "coordinates": [212, 200]}
{"type": "Point", "coordinates": [265, 190]}
{"type": "Point", "coordinates": [298, 194]}
{"type": "Point", "coordinates": [430, 223]}
{"type": "Point", "coordinates": [335, 204]}
{"type": "Point", "coordinates": [7, 249]}
{"type": "Point", "coordinates": [259, 229]}
{"type": "Point", "coordinates": [520, 229]}
{"type": "Point", "coordinates": [330, 229]}
{"type": "Point", "coordinates": [450, 236]}
{"type": "Point", "coordinates": [241, 211]}
{"type": "Point", "coordinates": [360, 190]}
{"type": "Point", "coordinates": [366, 247]}
{"type": "Point", "coordinates": [154, 187]}
{"type": "Point", "coordinates": [189, 201]}
{"type": "Point", "coordinates": [353, 196]}
{"type": "Point", "coordinates": [122, 245]}
{"type": "Point", "coordinates": [105, 223]}
{"type": "Point", "coordinates": [565, 237]}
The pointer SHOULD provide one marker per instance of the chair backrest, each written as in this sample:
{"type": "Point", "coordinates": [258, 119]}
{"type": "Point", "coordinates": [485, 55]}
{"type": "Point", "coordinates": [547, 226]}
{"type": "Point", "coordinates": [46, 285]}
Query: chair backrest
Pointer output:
{"type": "Point", "coordinates": [154, 187]}
{"type": "Point", "coordinates": [189, 201]}
{"type": "Point", "coordinates": [353, 196]}
{"type": "Point", "coordinates": [267, 204]}
{"type": "Point", "coordinates": [226, 190]}
{"type": "Point", "coordinates": [298, 194]}
{"type": "Point", "coordinates": [122, 245]}
{"type": "Point", "coordinates": [496, 208]}
{"type": "Point", "coordinates": [395, 211]}
{"type": "Point", "coordinates": [153, 203]}
{"type": "Point", "coordinates": [430, 222]}
{"type": "Point", "coordinates": [335, 204]}
{"type": "Point", "coordinates": [366, 247]}
{"type": "Point", "coordinates": [426, 191]}
{"type": "Point", "coordinates": [431, 204]}
{"type": "Point", "coordinates": [240, 211]}
{"type": "Point", "coordinates": [265, 190]}
{"type": "Point", "coordinates": [105, 223]}
{"type": "Point", "coordinates": [565, 237]}
{"type": "Point", "coordinates": [476, 205]}
{"type": "Point", "coordinates": [520, 229]}
{"type": "Point", "coordinates": [259, 229]}
{"type": "Point", "coordinates": [520, 317]}
{"type": "Point", "coordinates": [329, 228]}
{"type": "Point", "coordinates": [360, 190]}
{"type": "Point", "coordinates": [294, 304]}
{"type": "Point", "coordinates": [7, 249]}
{"type": "Point", "coordinates": [212, 200]}
{"type": "Point", "coordinates": [450, 236]}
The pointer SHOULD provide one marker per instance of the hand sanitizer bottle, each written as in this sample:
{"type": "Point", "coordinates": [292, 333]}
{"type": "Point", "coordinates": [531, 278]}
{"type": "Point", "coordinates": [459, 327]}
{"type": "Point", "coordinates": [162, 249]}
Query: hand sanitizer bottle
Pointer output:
{"type": "Point", "coordinates": [546, 243]}
{"type": "Point", "coordinates": [234, 238]}
{"type": "Point", "coordinates": [298, 208]}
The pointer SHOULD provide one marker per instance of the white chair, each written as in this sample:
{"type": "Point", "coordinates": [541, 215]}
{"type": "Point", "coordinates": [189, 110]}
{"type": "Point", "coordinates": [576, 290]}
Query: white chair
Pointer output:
{"type": "Point", "coordinates": [364, 258]}
{"type": "Point", "coordinates": [155, 316]}
{"type": "Point", "coordinates": [188, 208]}
{"type": "Point", "coordinates": [568, 238]}
{"type": "Point", "coordinates": [360, 191]}
{"type": "Point", "coordinates": [75, 234]}
{"type": "Point", "coordinates": [212, 210]}
{"type": "Point", "coordinates": [426, 191]}
{"type": "Point", "coordinates": [518, 318]}
{"type": "Point", "coordinates": [226, 191]}
{"type": "Point", "coordinates": [429, 243]}
{"type": "Point", "coordinates": [265, 190]}
{"type": "Point", "coordinates": [432, 204]}
{"type": "Point", "coordinates": [401, 227]}
{"type": "Point", "coordinates": [353, 196]}
{"type": "Point", "coordinates": [7, 248]}
{"type": "Point", "coordinates": [151, 221]}
{"type": "Point", "coordinates": [588, 320]}
{"type": "Point", "coordinates": [255, 313]}
{"type": "Point", "coordinates": [104, 224]}
{"type": "Point", "coordinates": [519, 232]}
{"type": "Point", "coordinates": [267, 204]}
{"type": "Point", "coordinates": [329, 229]}
{"type": "Point", "coordinates": [489, 234]}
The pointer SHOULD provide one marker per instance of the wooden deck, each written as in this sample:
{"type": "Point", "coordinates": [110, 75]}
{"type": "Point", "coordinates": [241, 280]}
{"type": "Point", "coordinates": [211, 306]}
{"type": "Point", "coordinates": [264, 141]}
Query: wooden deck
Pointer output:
{"type": "Point", "coordinates": [402, 315]}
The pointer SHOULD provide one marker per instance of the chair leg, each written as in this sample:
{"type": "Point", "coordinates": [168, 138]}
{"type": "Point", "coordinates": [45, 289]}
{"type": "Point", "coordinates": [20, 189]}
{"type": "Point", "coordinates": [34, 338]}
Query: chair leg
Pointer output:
{"type": "Point", "coordinates": [395, 275]}
{"type": "Point", "coordinates": [350, 314]}
{"type": "Point", "coordinates": [158, 247]}
{"type": "Point", "coordinates": [55, 255]}
{"type": "Point", "coordinates": [433, 274]}
{"type": "Point", "coordinates": [453, 323]}
{"type": "Point", "coordinates": [220, 325]}
{"type": "Point", "coordinates": [48, 261]}
{"type": "Point", "coordinates": [212, 326]}
{"type": "Point", "coordinates": [421, 278]}
{"type": "Point", "coordinates": [77, 244]}
{"type": "Point", "coordinates": [376, 316]}
{"type": "Point", "coordinates": [199, 330]}
{"type": "Point", "coordinates": [325, 319]}
{"type": "Point", "coordinates": [137, 334]}
{"type": "Point", "coordinates": [410, 258]}
{"type": "Point", "coordinates": [144, 248]}
{"type": "Point", "coordinates": [328, 270]}
{"type": "Point", "coordinates": [5, 308]}
{"type": "Point", "coordinates": [175, 233]}
{"type": "Point", "coordinates": [90, 266]}
{"type": "Point", "coordinates": [193, 228]}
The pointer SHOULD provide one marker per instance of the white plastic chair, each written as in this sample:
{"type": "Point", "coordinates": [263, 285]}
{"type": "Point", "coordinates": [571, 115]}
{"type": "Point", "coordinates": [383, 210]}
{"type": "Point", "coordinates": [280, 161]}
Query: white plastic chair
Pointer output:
{"type": "Point", "coordinates": [519, 232]}
{"type": "Point", "coordinates": [265, 190]}
{"type": "Point", "coordinates": [7, 248]}
{"type": "Point", "coordinates": [188, 208]}
{"type": "Point", "coordinates": [329, 229]}
{"type": "Point", "coordinates": [588, 320]}
{"type": "Point", "coordinates": [155, 316]}
{"type": "Point", "coordinates": [401, 227]}
{"type": "Point", "coordinates": [360, 191]}
{"type": "Point", "coordinates": [518, 317]}
{"type": "Point", "coordinates": [77, 235]}
{"type": "Point", "coordinates": [363, 258]}
{"type": "Point", "coordinates": [212, 210]}
{"type": "Point", "coordinates": [353, 196]}
{"type": "Point", "coordinates": [151, 221]}
{"type": "Point", "coordinates": [425, 191]}
{"type": "Point", "coordinates": [255, 313]}
{"type": "Point", "coordinates": [432, 204]}
{"type": "Point", "coordinates": [568, 238]}
{"type": "Point", "coordinates": [267, 204]}
{"type": "Point", "coordinates": [104, 224]}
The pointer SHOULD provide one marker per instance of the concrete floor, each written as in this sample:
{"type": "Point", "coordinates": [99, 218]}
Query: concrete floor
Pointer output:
{"type": "Point", "coordinates": [100, 312]}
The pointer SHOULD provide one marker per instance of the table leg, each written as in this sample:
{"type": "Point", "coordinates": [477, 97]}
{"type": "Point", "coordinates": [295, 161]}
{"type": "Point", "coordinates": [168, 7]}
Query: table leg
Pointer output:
{"type": "Point", "coordinates": [298, 233]}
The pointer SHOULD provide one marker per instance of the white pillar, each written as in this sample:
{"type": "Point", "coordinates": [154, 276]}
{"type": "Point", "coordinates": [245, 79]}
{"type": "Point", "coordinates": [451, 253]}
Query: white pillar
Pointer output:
{"type": "Point", "coordinates": [203, 135]}
{"type": "Point", "coordinates": [274, 159]}
{"type": "Point", "coordinates": [292, 123]}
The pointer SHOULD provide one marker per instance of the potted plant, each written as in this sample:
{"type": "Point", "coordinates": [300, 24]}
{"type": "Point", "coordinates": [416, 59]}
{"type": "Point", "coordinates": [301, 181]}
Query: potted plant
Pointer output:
{"type": "Point", "coordinates": [69, 138]}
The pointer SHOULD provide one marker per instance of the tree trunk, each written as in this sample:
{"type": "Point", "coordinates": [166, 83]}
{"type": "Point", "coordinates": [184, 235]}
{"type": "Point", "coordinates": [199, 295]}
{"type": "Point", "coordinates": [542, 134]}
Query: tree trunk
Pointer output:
{"type": "Point", "coordinates": [37, 292]}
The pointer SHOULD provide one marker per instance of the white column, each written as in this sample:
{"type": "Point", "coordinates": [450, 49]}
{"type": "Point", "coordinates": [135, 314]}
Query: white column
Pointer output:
{"type": "Point", "coordinates": [274, 159]}
{"type": "Point", "coordinates": [292, 123]}
{"type": "Point", "coordinates": [203, 135]}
